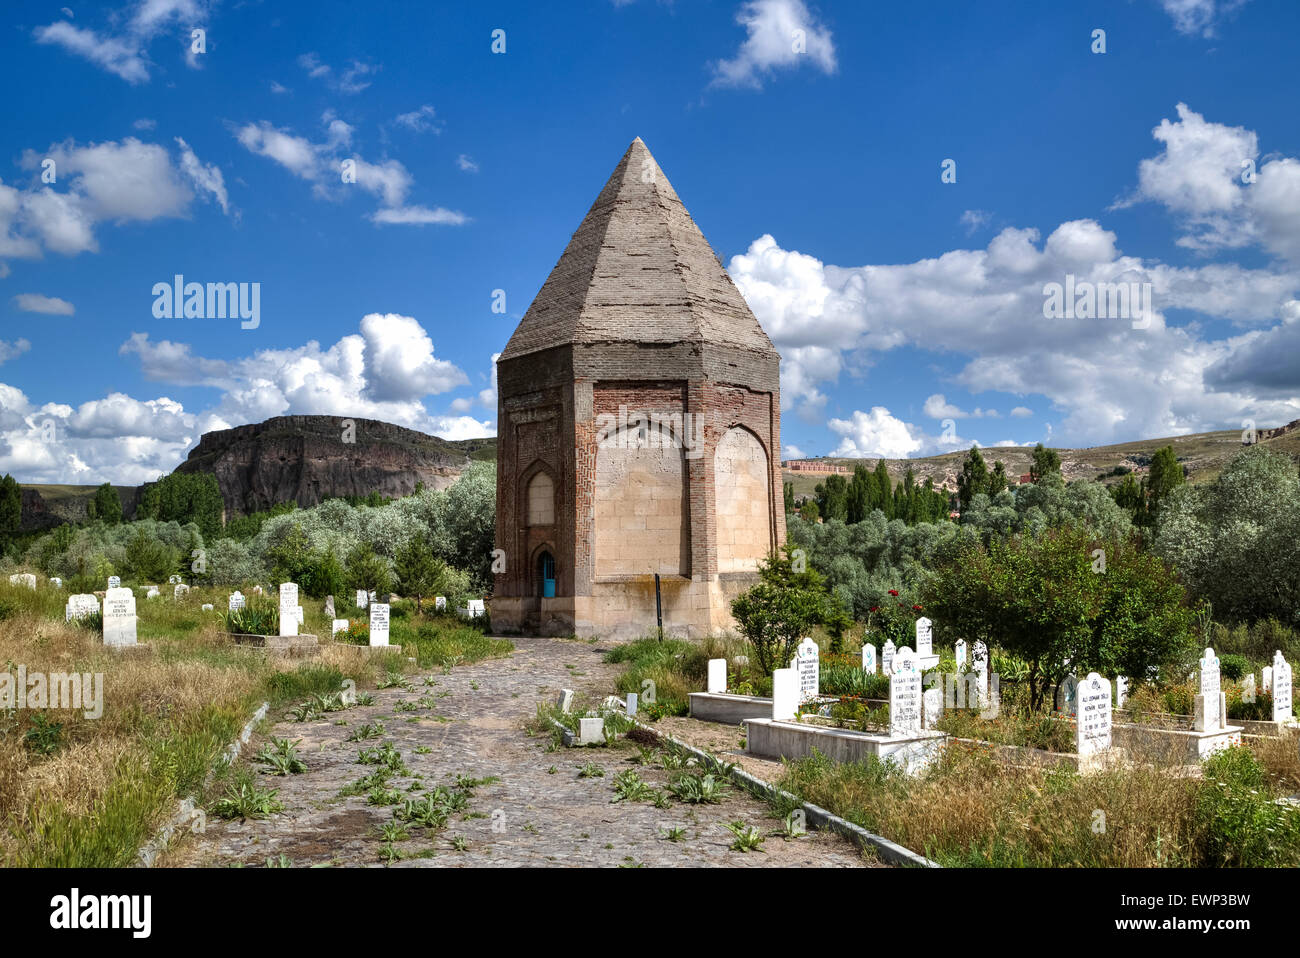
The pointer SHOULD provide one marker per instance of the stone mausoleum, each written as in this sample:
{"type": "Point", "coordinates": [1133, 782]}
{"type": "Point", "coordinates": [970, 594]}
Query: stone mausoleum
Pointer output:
{"type": "Point", "coordinates": [639, 429]}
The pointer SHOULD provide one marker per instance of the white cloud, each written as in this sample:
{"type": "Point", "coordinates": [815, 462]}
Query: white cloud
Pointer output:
{"type": "Point", "coordinates": [879, 433]}
{"type": "Point", "coordinates": [1022, 412]}
{"type": "Point", "coordinates": [321, 164]}
{"type": "Point", "coordinates": [48, 305]}
{"type": "Point", "coordinates": [792, 452]}
{"type": "Point", "coordinates": [781, 34]}
{"type": "Point", "coordinates": [145, 124]}
{"type": "Point", "coordinates": [12, 350]}
{"type": "Point", "coordinates": [986, 308]}
{"type": "Point", "coordinates": [1199, 16]}
{"type": "Point", "coordinates": [420, 121]}
{"type": "Point", "coordinates": [975, 220]}
{"type": "Point", "coordinates": [123, 50]}
{"type": "Point", "coordinates": [208, 178]}
{"type": "Point", "coordinates": [466, 163]}
{"type": "Point", "coordinates": [278, 87]}
{"type": "Point", "coordinates": [350, 81]}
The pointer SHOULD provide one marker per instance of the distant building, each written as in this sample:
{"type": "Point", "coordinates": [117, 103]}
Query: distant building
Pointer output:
{"type": "Point", "coordinates": [819, 466]}
{"type": "Point", "coordinates": [1026, 479]}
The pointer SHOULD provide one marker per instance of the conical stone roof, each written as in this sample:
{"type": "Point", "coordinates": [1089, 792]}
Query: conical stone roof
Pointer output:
{"type": "Point", "coordinates": [638, 270]}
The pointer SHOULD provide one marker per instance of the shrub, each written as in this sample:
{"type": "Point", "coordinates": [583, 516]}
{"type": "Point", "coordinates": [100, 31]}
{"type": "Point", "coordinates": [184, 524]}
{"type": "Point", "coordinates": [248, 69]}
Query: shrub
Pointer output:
{"type": "Point", "coordinates": [1232, 667]}
{"type": "Point", "coordinates": [1240, 824]}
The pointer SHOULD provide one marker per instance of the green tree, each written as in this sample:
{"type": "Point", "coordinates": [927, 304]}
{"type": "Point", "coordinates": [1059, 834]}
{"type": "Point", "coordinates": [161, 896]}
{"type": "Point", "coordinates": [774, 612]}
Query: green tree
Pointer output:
{"type": "Point", "coordinates": [327, 576]}
{"type": "Point", "coordinates": [787, 491]}
{"type": "Point", "coordinates": [998, 479]}
{"type": "Point", "coordinates": [419, 572]}
{"type": "Point", "coordinates": [149, 559]}
{"type": "Point", "coordinates": [780, 609]}
{"type": "Point", "coordinates": [106, 505]}
{"type": "Point", "coordinates": [974, 477]}
{"type": "Point", "coordinates": [1046, 600]}
{"type": "Point", "coordinates": [366, 570]}
{"type": "Point", "coordinates": [185, 497]}
{"type": "Point", "coordinates": [290, 559]}
{"type": "Point", "coordinates": [11, 509]}
{"type": "Point", "coordinates": [809, 511]}
{"type": "Point", "coordinates": [1046, 461]}
{"type": "Point", "coordinates": [1165, 476]}
{"type": "Point", "coordinates": [833, 498]}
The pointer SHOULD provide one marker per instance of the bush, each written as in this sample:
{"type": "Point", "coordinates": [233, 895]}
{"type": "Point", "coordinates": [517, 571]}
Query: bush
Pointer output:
{"type": "Point", "coordinates": [1240, 824]}
{"type": "Point", "coordinates": [1232, 667]}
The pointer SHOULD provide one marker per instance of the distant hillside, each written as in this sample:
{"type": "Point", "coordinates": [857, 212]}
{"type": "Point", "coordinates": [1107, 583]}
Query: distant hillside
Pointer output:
{"type": "Point", "coordinates": [301, 459]}
{"type": "Point", "coordinates": [306, 459]}
{"type": "Point", "coordinates": [1204, 454]}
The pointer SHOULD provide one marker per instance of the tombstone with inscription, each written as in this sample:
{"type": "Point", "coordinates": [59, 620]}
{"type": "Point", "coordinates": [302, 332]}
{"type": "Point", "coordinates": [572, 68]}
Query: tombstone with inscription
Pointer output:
{"type": "Point", "coordinates": [869, 659]}
{"type": "Point", "coordinates": [338, 625]}
{"type": "Point", "coordinates": [180, 591]}
{"type": "Point", "coordinates": [80, 605]}
{"type": "Point", "coordinates": [440, 603]}
{"type": "Point", "coordinates": [979, 664]}
{"type": "Point", "coordinates": [807, 663]}
{"type": "Point", "coordinates": [363, 598]}
{"type": "Point", "coordinates": [236, 601]}
{"type": "Point", "coordinates": [288, 608]}
{"type": "Point", "coordinates": [114, 582]}
{"type": "Point", "coordinates": [378, 623]}
{"type": "Point", "coordinates": [1209, 712]}
{"type": "Point", "coordinates": [1093, 729]}
{"type": "Point", "coordinates": [1281, 689]}
{"type": "Point", "coordinates": [119, 617]}
{"type": "Point", "coordinates": [931, 706]}
{"type": "Point", "coordinates": [887, 657]}
{"type": "Point", "coordinates": [904, 693]}
{"type": "Point", "coordinates": [959, 652]}
{"type": "Point", "coordinates": [473, 608]}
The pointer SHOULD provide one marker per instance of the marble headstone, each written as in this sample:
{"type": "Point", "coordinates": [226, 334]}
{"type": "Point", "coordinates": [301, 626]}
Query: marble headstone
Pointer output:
{"type": "Point", "coordinates": [904, 693]}
{"type": "Point", "coordinates": [1093, 729]}
{"type": "Point", "coordinates": [119, 617]}
{"type": "Point", "coordinates": [378, 623]}
{"type": "Point", "coordinates": [807, 663]}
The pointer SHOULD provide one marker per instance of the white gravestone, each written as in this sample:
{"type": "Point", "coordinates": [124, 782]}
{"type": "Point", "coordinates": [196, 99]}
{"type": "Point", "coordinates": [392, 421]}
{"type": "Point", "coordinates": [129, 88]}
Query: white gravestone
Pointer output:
{"type": "Point", "coordinates": [114, 582]}
{"type": "Point", "coordinates": [288, 608]}
{"type": "Point", "coordinates": [633, 704]}
{"type": "Point", "coordinates": [807, 663]}
{"type": "Point", "coordinates": [236, 601]}
{"type": "Point", "coordinates": [869, 659]}
{"type": "Point", "coordinates": [329, 606]}
{"type": "Point", "coordinates": [153, 592]}
{"type": "Point", "coordinates": [173, 579]}
{"type": "Point", "coordinates": [119, 617]}
{"type": "Point", "coordinates": [785, 695]}
{"type": "Point", "coordinates": [78, 605]}
{"type": "Point", "coordinates": [473, 608]}
{"type": "Point", "coordinates": [959, 651]}
{"type": "Point", "coordinates": [56, 582]}
{"type": "Point", "coordinates": [887, 657]}
{"type": "Point", "coordinates": [932, 706]}
{"type": "Point", "coordinates": [924, 637]}
{"type": "Point", "coordinates": [206, 607]}
{"type": "Point", "coordinates": [904, 694]}
{"type": "Point", "coordinates": [1093, 730]}
{"type": "Point", "coordinates": [378, 623]}
{"type": "Point", "coordinates": [1121, 691]}
{"type": "Point", "coordinates": [180, 591]}
{"type": "Point", "coordinates": [979, 661]}
{"type": "Point", "coordinates": [1268, 677]}
{"type": "Point", "coordinates": [1281, 688]}
{"type": "Point", "coordinates": [339, 625]}
{"type": "Point", "coordinates": [440, 602]}
{"type": "Point", "coordinates": [717, 676]}
{"type": "Point", "coordinates": [302, 615]}
{"type": "Point", "coordinates": [363, 598]}
{"type": "Point", "coordinates": [1209, 712]}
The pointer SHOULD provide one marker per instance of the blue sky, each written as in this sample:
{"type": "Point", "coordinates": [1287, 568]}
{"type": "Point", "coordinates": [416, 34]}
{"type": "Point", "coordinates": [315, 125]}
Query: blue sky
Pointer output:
{"type": "Point", "coordinates": [908, 311]}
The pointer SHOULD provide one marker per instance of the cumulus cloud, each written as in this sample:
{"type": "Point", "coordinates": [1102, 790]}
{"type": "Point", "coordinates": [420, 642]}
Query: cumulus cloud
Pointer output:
{"type": "Point", "coordinates": [1212, 178]}
{"type": "Point", "coordinates": [985, 308]}
{"type": "Point", "coordinates": [419, 121]}
{"type": "Point", "coordinates": [879, 433]}
{"type": "Point", "coordinates": [48, 305]}
{"type": "Point", "coordinates": [781, 34]}
{"type": "Point", "coordinates": [12, 350]}
{"type": "Point", "coordinates": [118, 182]}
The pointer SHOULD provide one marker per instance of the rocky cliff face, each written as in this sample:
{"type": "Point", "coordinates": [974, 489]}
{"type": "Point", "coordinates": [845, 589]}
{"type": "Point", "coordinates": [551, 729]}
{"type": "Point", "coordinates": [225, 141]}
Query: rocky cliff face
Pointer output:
{"type": "Point", "coordinates": [306, 459]}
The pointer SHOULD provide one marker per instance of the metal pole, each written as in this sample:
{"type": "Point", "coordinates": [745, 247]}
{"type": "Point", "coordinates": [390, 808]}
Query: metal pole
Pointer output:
{"type": "Point", "coordinates": [659, 609]}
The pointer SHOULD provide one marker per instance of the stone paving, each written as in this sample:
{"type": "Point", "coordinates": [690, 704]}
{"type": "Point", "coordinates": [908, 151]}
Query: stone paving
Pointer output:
{"type": "Point", "coordinates": [538, 812]}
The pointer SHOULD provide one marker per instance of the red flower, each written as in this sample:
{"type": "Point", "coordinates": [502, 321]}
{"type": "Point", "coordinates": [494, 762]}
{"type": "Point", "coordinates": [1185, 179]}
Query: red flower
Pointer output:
{"type": "Point", "coordinates": [874, 608]}
{"type": "Point", "coordinates": [893, 592]}
{"type": "Point", "coordinates": [916, 608]}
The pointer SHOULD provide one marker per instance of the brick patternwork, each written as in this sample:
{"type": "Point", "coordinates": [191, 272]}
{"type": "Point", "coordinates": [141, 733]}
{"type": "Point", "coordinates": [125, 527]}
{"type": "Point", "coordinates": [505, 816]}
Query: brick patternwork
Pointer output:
{"type": "Point", "coordinates": [640, 397]}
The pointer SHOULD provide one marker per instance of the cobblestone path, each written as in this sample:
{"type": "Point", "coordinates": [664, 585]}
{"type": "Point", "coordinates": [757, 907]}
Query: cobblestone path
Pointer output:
{"type": "Point", "coordinates": [537, 811]}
